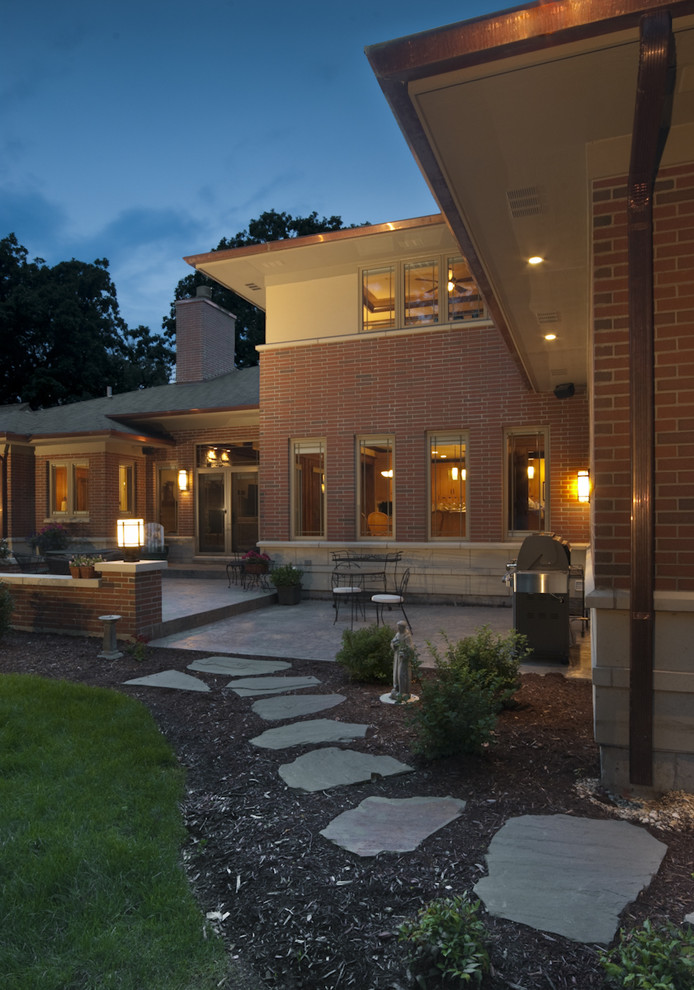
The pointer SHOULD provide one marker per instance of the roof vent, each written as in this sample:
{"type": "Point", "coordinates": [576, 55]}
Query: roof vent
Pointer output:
{"type": "Point", "coordinates": [524, 202]}
{"type": "Point", "coordinates": [544, 318]}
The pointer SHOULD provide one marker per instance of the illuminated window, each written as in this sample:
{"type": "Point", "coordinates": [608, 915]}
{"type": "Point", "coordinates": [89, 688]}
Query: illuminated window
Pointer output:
{"type": "Point", "coordinates": [125, 488]}
{"type": "Point", "coordinates": [448, 485]}
{"type": "Point", "coordinates": [526, 481]}
{"type": "Point", "coordinates": [69, 488]}
{"type": "Point", "coordinates": [376, 477]}
{"type": "Point", "coordinates": [420, 293]}
{"type": "Point", "coordinates": [308, 489]}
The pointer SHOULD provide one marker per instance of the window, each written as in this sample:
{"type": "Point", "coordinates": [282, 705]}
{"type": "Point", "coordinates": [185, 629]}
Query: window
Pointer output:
{"type": "Point", "coordinates": [308, 489]}
{"type": "Point", "coordinates": [376, 487]}
{"type": "Point", "coordinates": [416, 293]}
{"type": "Point", "coordinates": [526, 481]}
{"type": "Point", "coordinates": [448, 485]}
{"type": "Point", "coordinates": [68, 488]}
{"type": "Point", "coordinates": [126, 500]}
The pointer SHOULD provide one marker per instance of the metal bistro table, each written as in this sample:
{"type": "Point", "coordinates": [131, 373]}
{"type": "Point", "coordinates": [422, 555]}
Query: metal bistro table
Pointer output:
{"type": "Point", "coordinates": [357, 576]}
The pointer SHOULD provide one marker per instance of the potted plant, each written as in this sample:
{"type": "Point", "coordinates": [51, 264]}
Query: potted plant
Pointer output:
{"type": "Point", "coordinates": [255, 562]}
{"type": "Point", "coordinates": [287, 579]}
{"type": "Point", "coordinates": [82, 565]}
{"type": "Point", "coordinates": [75, 564]}
{"type": "Point", "coordinates": [53, 536]}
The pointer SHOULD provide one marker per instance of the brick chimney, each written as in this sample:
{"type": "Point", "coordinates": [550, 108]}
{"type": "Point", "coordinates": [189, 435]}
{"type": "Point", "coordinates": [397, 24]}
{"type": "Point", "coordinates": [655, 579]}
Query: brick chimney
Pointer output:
{"type": "Point", "coordinates": [205, 338]}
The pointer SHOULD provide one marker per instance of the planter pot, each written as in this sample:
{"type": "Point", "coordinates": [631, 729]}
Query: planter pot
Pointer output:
{"type": "Point", "coordinates": [255, 566]}
{"type": "Point", "coordinates": [289, 594]}
{"type": "Point", "coordinates": [74, 571]}
{"type": "Point", "coordinates": [87, 572]}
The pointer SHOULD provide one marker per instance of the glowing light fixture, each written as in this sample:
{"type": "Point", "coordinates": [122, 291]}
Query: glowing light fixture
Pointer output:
{"type": "Point", "coordinates": [531, 471]}
{"type": "Point", "coordinates": [583, 486]}
{"type": "Point", "coordinates": [550, 336]}
{"type": "Point", "coordinates": [183, 480]}
{"type": "Point", "coordinates": [130, 536]}
{"type": "Point", "coordinates": [387, 474]}
{"type": "Point", "coordinates": [535, 260]}
{"type": "Point", "coordinates": [454, 473]}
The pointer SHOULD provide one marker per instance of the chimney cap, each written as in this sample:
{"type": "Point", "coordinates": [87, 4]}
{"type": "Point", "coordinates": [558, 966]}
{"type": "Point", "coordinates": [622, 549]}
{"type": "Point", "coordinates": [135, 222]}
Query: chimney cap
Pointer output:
{"type": "Point", "coordinates": [203, 292]}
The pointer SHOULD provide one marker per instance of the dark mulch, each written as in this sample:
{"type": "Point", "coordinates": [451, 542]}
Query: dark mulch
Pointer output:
{"type": "Point", "coordinates": [298, 911]}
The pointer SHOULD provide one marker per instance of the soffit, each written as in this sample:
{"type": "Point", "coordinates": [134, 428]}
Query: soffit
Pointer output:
{"type": "Point", "coordinates": [509, 147]}
{"type": "Point", "coordinates": [251, 270]}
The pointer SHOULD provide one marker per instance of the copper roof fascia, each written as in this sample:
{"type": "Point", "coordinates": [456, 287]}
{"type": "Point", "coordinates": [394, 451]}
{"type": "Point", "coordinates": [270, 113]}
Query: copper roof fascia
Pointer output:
{"type": "Point", "coordinates": [513, 32]}
{"type": "Point", "coordinates": [162, 413]}
{"type": "Point", "coordinates": [330, 236]}
{"type": "Point", "coordinates": [104, 434]}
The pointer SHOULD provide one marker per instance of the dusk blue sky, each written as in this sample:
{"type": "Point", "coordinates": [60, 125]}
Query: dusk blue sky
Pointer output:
{"type": "Point", "coordinates": [145, 131]}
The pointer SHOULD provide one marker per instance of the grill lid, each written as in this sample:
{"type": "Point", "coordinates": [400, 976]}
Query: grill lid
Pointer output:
{"type": "Point", "coordinates": [544, 552]}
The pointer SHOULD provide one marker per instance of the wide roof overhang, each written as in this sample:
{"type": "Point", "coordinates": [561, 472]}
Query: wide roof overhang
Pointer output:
{"type": "Point", "coordinates": [510, 117]}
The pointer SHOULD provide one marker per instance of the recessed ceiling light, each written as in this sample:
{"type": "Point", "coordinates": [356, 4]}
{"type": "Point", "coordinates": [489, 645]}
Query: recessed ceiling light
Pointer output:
{"type": "Point", "coordinates": [535, 260]}
{"type": "Point", "coordinates": [550, 336]}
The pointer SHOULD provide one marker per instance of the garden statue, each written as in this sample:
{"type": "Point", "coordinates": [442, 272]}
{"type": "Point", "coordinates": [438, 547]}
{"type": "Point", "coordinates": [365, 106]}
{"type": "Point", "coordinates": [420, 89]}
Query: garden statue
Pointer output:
{"type": "Point", "coordinates": [402, 646]}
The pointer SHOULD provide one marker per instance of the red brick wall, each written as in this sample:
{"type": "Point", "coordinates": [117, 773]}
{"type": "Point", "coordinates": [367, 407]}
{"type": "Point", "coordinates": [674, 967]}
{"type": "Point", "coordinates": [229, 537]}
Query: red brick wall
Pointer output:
{"type": "Point", "coordinates": [406, 385]}
{"type": "Point", "coordinates": [674, 381]}
{"type": "Point", "coordinates": [205, 340]}
{"type": "Point", "coordinates": [103, 492]}
{"type": "Point", "coordinates": [73, 607]}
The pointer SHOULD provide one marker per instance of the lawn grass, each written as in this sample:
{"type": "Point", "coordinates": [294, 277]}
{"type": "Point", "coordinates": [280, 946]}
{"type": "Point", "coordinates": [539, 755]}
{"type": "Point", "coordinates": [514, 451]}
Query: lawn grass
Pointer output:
{"type": "Point", "coordinates": [92, 891]}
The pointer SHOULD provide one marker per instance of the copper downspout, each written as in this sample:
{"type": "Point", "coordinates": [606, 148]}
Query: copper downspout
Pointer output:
{"type": "Point", "coordinates": [655, 86]}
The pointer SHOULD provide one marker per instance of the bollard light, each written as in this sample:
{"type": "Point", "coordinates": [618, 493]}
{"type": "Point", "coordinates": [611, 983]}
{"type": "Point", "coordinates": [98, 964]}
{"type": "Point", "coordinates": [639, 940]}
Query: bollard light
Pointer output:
{"type": "Point", "coordinates": [130, 534]}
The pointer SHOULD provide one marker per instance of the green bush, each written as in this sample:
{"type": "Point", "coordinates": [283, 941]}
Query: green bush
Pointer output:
{"type": "Point", "coordinates": [475, 679]}
{"type": "Point", "coordinates": [6, 605]}
{"type": "Point", "coordinates": [496, 658]}
{"type": "Point", "coordinates": [446, 940]}
{"type": "Point", "coordinates": [652, 958]}
{"type": "Point", "coordinates": [367, 655]}
{"type": "Point", "coordinates": [456, 714]}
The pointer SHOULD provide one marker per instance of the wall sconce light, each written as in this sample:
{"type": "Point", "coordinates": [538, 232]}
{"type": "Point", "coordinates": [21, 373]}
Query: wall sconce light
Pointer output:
{"type": "Point", "coordinates": [387, 474]}
{"type": "Point", "coordinates": [454, 474]}
{"type": "Point", "coordinates": [183, 480]}
{"type": "Point", "coordinates": [583, 486]}
{"type": "Point", "coordinates": [130, 534]}
{"type": "Point", "coordinates": [531, 471]}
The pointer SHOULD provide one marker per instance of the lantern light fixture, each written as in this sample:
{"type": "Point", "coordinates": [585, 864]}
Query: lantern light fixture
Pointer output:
{"type": "Point", "coordinates": [130, 535]}
{"type": "Point", "coordinates": [583, 486]}
{"type": "Point", "coordinates": [183, 480]}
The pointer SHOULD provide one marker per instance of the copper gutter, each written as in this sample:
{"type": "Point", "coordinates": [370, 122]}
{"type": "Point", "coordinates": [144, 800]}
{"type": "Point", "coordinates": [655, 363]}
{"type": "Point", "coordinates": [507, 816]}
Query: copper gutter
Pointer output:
{"type": "Point", "coordinates": [656, 78]}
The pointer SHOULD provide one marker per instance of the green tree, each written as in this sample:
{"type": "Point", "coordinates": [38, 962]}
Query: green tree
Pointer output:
{"type": "Point", "coordinates": [63, 338]}
{"type": "Point", "coordinates": [250, 321]}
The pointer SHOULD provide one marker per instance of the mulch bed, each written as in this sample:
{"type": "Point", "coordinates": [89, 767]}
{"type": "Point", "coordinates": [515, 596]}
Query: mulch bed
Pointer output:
{"type": "Point", "coordinates": [296, 910]}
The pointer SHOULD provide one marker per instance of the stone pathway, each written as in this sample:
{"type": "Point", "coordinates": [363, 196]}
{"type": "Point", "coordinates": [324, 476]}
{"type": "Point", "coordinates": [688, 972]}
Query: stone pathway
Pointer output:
{"type": "Point", "coordinates": [556, 873]}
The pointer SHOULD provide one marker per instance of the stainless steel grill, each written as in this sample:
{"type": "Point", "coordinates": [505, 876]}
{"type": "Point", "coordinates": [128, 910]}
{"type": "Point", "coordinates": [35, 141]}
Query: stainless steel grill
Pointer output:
{"type": "Point", "coordinates": [540, 583]}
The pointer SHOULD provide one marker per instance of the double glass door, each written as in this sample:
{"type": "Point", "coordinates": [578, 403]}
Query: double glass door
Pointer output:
{"type": "Point", "coordinates": [227, 510]}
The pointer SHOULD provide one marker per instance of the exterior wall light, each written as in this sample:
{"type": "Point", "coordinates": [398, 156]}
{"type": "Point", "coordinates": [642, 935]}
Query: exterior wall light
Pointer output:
{"type": "Point", "coordinates": [183, 480]}
{"type": "Point", "coordinates": [583, 486]}
{"type": "Point", "coordinates": [130, 535]}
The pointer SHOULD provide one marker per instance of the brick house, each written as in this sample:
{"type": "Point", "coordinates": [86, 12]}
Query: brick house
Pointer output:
{"type": "Point", "coordinates": [87, 464]}
{"type": "Point", "coordinates": [565, 132]}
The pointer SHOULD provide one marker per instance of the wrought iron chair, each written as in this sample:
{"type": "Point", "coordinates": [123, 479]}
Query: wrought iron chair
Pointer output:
{"type": "Point", "coordinates": [347, 584]}
{"type": "Point", "coordinates": [396, 598]}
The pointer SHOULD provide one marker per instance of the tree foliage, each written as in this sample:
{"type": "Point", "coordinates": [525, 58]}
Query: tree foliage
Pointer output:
{"type": "Point", "coordinates": [63, 338]}
{"type": "Point", "coordinates": [250, 321]}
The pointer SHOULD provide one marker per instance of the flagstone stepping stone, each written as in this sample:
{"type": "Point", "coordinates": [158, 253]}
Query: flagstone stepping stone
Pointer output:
{"type": "Point", "coordinates": [294, 706]}
{"type": "Point", "coordinates": [321, 769]}
{"type": "Point", "coordinates": [175, 679]}
{"type": "Point", "coordinates": [247, 687]}
{"type": "Point", "coordinates": [571, 876]}
{"type": "Point", "coordinates": [396, 825]}
{"type": "Point", "coordinates": [237, 666]}
{"type": "Point", "coordinates": [316, 731]}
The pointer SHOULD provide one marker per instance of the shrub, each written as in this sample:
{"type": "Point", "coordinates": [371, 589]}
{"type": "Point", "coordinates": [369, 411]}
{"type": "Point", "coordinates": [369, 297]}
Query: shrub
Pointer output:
{"type": "Point", "coordinates": [652, 959]}
{"type": "Point", "coordinates": [367, 655]}
{"type": "Point", "coordinates": [286, 576]}
{"type": "Point", "coordinates": [496, 658]}
{"type": "Point", "coordinates": [456, 714]}
{"type": "Point", "coordinates": [6, 605]}
{"type": "Point", "coordinates": [475, 679]}
{"type": "Point", "coordinates": [446, 940]}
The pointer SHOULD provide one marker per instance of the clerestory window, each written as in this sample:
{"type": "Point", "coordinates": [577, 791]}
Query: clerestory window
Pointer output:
{"type": "Point", "coordinates": [424, 292]}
